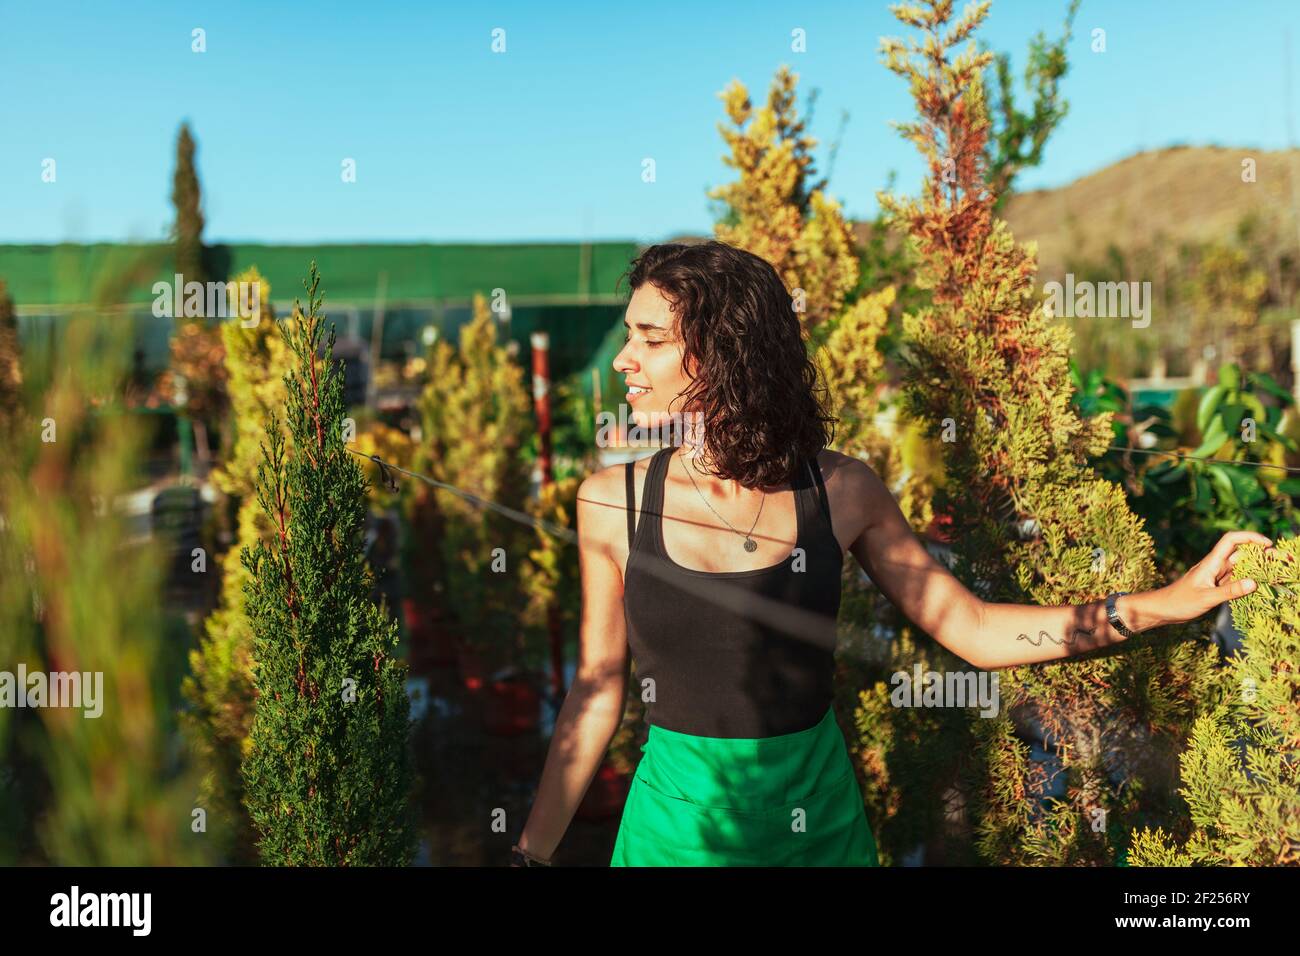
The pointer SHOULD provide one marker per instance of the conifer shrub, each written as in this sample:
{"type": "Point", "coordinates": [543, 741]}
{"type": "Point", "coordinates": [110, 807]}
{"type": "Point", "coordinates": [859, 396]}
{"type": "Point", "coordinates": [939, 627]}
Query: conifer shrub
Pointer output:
{"type": "Point", "coordinates": [219, 688]}
{"type": "Point", "coordinates": [1241, 770]}
{"type": "Point", "coordinates": [328, 775]}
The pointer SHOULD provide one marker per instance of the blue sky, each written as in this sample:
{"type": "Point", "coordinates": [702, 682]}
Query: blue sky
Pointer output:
{"type": "Point", "coordinates": [544, 142]}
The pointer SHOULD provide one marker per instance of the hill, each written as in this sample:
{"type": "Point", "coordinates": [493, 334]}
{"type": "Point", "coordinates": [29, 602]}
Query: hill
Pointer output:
{"type": "Point", "coordinates": [1172, 195]}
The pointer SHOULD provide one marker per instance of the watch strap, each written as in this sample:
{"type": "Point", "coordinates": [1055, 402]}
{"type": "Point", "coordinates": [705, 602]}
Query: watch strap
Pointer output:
{"type": "Point", "coordinates": [521, 857]}
{"type": "Point", "coordinates": [1112, 614]}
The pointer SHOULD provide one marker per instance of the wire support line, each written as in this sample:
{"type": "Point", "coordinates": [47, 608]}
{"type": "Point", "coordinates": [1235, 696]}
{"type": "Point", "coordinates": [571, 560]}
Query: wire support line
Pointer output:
{"type": "Point", "coordinates": [1150, 451]}
{"type": "Point", "coordinates": [547, 526]}
{"type": "Point", "coordinates": [1219, 461]}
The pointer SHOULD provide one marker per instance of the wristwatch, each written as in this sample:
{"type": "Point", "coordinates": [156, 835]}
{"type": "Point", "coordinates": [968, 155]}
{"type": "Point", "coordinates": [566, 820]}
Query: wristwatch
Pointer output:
{"type": "Point", "coordinates": [1112, 614]}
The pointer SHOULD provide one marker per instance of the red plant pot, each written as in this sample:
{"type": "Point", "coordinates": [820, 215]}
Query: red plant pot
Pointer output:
{"type": "Point", "coordinates": [605, 797]}
{"type": "Point", "coordinates": [511, 707]}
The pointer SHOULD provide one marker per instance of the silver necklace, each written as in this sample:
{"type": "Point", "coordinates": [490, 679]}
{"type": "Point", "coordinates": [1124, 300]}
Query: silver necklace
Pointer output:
{"type": "Point", "coordinates": [750, 544]}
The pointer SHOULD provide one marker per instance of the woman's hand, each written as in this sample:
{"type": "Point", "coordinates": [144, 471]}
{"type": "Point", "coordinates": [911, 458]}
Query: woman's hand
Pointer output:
{"type": "Point", "coordinates": [1208, 583]}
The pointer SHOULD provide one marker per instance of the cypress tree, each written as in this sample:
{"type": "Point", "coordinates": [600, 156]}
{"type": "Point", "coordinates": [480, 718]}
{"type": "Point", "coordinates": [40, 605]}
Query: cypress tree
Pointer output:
{"type": "Point", "coordinates": [1032, 523]}
{"type": "Point", "coordinates": [328, 774]}
{"type": "Point", "coordinates": [196, 380]}
{"type": "Point", "coordinates": [187, 232]}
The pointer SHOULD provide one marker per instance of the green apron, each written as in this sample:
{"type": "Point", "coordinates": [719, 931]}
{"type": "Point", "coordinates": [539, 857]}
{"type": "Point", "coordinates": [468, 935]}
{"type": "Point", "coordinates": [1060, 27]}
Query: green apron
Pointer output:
{"type": "Point", "coordinates": [790, 800]}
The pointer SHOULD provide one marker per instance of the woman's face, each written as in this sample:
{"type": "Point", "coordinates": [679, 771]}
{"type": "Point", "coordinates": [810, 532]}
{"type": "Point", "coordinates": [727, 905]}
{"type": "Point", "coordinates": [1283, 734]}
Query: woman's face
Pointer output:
{"type": "Point", "coordinates": [651, 359]}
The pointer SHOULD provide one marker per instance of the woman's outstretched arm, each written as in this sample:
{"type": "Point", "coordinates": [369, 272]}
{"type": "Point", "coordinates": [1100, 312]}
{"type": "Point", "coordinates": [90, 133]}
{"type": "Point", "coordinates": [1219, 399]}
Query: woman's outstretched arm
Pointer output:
{"type": "Point", "coordinates": [992, 636]}
{"type": "Point", "coordinates": [1055, 632]}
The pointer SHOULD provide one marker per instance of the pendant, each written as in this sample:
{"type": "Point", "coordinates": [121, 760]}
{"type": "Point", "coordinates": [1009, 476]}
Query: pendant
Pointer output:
{"type": "Point", "coordinates": [751, 544]}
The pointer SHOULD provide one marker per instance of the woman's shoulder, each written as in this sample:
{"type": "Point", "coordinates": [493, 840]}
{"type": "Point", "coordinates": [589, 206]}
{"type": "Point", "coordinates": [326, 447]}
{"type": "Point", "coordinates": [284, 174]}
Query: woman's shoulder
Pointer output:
{"type": "Point", "coordinates": [602, 500]}
{"type": "Point", "coordinates": [844, 470]}
{"type": "Point", "coordinates": [609, 484]}
{"type": "Point", "coordinates": [852, 490]}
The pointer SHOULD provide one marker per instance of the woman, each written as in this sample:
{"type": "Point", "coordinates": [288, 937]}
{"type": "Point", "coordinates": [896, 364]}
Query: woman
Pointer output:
{"type": "Point", "coordinates": [717, 562]}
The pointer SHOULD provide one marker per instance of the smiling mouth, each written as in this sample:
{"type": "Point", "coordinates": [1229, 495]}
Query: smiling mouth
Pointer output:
{"type": "Point", "coordinates": [633, 390]}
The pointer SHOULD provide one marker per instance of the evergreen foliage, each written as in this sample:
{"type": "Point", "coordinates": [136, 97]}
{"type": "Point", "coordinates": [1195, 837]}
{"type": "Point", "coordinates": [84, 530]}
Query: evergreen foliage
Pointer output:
{"type": "Point", "coordinates": [1241, 772]}
{"type": "Point", "coordinates": [195, 382]}
{"type": "Point", "coordinates": [476, 416]}
{"type": "Point", "coordinates": [775, 212]}
{"type": "Point", "coordinates": [77, 594]}
{"type": "Point", "coordinates": [187, 230]}
{"type": "Point", "coordinates": [328, 774]}
{"type": "Point", "coordinates": [219, 687]}
{"type": "Point", "coordinates": [1031, 522]}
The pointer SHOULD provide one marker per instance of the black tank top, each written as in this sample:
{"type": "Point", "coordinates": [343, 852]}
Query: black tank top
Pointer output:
{"type": "Point", "coordinates": [733, 653]}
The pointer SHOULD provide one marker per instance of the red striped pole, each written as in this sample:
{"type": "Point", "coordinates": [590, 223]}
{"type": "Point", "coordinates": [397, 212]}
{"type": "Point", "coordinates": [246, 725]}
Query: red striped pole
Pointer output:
{"type": "Point", "coordinates": [541, 343]}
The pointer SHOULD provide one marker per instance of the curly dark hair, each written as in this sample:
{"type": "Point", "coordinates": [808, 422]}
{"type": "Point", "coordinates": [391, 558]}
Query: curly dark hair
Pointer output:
{"type": "Point", "coordinates": [757, 392]}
